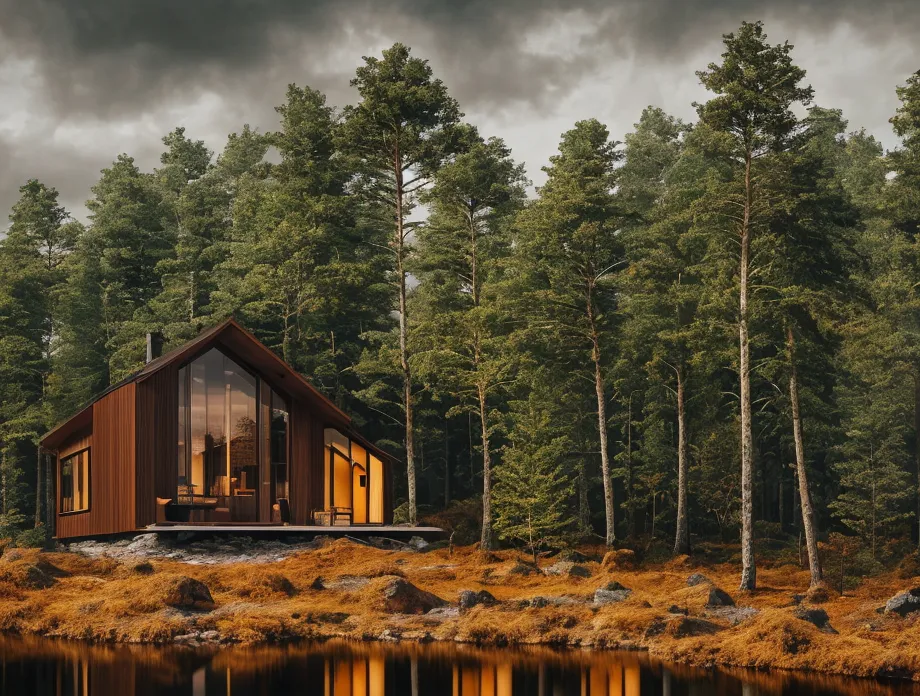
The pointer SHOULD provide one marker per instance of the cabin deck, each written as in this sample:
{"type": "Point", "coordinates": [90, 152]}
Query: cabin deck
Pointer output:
{"type": "Point", "coordinates": [358, 531]}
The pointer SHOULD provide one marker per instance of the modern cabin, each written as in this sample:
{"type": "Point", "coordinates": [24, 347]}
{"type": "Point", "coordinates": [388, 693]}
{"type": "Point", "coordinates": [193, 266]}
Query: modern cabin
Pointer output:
{"type": "Point", "coordinates": [218, 432]}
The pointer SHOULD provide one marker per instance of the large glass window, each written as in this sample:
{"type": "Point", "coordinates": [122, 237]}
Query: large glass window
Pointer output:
{"type": "Point", "coordinates": [353, 479]}
{"type": "Point", "coordinates": [218, 461]}
{"type": "Point", "coordinates": [75, 482]}
{"type": "Point", "coordinates": [275, 425]}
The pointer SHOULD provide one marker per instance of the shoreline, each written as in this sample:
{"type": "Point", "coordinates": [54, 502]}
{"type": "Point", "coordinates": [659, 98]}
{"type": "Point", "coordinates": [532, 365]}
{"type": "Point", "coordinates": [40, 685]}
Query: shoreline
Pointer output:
{"type": "Point", "coordinates": [344, 591]}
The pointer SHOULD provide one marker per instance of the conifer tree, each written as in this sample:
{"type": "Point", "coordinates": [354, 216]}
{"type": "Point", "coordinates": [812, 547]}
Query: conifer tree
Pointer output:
{"type": "Point", "coordinates": [461, 329]}
{"type": "Point", "coordinates": [398, 135]}
{"type": "Point", "coordinates": [532, 496]}
{"type": "Point", "coordinates": [568, 251]}
{"type": "Point", "coordinates": [304, 272]}
{"type": "Point", "coordinates": [756, 85]}
{"type": "Point", "coordinates": [130, 238]}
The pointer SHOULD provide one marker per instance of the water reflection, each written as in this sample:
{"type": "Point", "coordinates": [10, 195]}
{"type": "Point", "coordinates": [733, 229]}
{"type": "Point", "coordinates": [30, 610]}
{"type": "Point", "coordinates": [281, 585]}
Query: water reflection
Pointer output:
{"type": "Point", "coordinates": [41, 667]}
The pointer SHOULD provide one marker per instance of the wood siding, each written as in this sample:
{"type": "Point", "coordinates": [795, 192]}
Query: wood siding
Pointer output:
{"type": "Point", "coordinates": [112, 469]}
{"type": "Point", "coordinates": [157, 441]}
{"type": "Point", "coordinates": [300, 468]}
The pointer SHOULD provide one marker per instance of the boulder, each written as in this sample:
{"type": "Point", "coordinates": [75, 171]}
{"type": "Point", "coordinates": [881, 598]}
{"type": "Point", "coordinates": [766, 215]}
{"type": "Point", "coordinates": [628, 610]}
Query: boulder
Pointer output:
{"type": "Point", "coordinates": [418, 543]}
{"type": "Point", "coordinates": [573, 570]}
{"type": "Point", "coordinates": [603, 597]}
{"type": "Point", "coordinates": [904, 603]}
{"type": "Point", "coordinates": [470, 599]}
{"type": "Point", "coordinates": [613, 586]}
{"type": "Point", "coordinates": [318, 583]}
{"type": "Point", "coordinates": [719, 598]}
{"type": "Point", "coordinates": [402, 597]}
{"type": "Point", "coordinates": [182, 592]}
{"type": "Point", "coordinates": [142, 543]}
{"type": "Point", "coordinates": [734, 615]}
{"type": "Point", "coordinates": [573, 555]}
{"type": "Point", "coordinates": [816, 617]}
{"type": "Point", "coordinates": [698, 579]}
{"type": "Point", "coordinates": [674, 609]}
{"type": "Point", "coordinates": [623, 559]}
{"type": "Point", "coordinates": [522, 569]}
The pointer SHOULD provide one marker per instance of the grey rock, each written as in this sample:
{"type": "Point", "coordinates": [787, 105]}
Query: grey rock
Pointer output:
{"type": "Point", "coordinates": [698, 579]}
{"type": "Point", "coordinates": [719, 598]}
{"type": "Point", "coordinates": [470, 599]}
{"type": "Point", "coordinates": [734, 615]}
{"type": "Point", "coordinates": [143, 542]}
{"type": "Point", "coordinates": [904, 603]}
{"type": "Point", "coordinates": [603, 597]}
{"type": "Point", "coordinates": [816, 617]}
{"type": "Point", "coordinates": [568, 568]}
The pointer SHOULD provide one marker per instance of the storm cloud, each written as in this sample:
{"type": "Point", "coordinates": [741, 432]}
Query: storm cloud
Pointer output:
{"type": "Point", "coordinates": [81, 80]}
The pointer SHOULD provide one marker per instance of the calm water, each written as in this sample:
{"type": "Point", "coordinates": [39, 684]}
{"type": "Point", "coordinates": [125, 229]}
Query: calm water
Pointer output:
{"type": "Point", "coordinates": [39, 667]}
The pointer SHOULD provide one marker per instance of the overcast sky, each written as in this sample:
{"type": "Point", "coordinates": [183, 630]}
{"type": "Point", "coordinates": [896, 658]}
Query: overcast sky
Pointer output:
{"type": "Point", "coordinates": [83, 80]}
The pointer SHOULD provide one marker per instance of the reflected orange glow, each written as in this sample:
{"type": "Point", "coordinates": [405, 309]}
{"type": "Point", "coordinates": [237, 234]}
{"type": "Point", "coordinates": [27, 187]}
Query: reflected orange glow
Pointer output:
{"type": "Point", "coordinates": [616, 680]}
{"type": "Point", "coordinates": [633, 679]}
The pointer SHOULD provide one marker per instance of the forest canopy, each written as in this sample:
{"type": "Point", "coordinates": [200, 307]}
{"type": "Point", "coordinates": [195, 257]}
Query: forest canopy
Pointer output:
{"type": "Point", "coordinates": [694, 331]}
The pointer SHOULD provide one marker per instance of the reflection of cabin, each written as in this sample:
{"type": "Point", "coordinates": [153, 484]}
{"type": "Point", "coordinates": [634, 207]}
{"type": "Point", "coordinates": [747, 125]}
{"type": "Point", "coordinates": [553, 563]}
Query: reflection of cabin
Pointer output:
{"type": "Point", "coordinates": [217, 432]}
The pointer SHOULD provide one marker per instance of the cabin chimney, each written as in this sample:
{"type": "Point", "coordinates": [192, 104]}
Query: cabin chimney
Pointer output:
{"type": "Point", "coordinates": [154, 345]}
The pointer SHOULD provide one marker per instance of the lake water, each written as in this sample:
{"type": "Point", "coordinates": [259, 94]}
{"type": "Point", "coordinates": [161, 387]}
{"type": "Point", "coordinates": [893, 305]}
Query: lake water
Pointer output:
{"type": "Point", "coordinates": [37, 667]}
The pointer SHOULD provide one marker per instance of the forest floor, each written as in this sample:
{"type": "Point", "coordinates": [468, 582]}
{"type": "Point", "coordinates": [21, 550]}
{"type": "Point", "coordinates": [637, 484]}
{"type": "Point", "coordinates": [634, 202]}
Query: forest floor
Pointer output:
{"type": "Point", "coordinates": [343, 589]}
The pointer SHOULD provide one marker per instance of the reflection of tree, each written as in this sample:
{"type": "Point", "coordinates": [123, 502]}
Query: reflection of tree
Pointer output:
{"type": "Point", "coordinates": [245, 427]}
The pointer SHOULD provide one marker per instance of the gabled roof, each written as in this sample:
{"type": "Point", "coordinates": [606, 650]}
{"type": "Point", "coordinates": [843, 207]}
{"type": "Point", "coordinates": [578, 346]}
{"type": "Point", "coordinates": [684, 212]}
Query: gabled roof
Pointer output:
{"type": "Point", "coordinates": [244, 345]}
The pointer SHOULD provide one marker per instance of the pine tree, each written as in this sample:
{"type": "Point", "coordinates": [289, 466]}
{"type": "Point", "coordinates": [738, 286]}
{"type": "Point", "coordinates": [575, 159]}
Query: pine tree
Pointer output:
{"type": "Point", "coordinates": [130, 237]}
{"type": "Point", "coordinates": [756, 84]}
{"type": "Point", "coordinates": [461, 329]}
{"type": "Point", "coordinates": [532, 491]}
{"type": "Point", "coordinates": [659, 298]}
{"type": "Point", "coordinates": [399, 134]}
{"type": "Point", "coordinates": [304, 272]}
{"type": "Point", "coordinates": [567, 250]}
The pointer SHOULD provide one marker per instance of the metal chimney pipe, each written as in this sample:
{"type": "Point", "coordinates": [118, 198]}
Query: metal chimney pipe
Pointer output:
{"type": "Point", "coordinates": [154, 345]}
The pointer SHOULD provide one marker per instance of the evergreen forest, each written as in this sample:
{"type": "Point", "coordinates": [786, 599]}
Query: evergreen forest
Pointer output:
{"type": "Point", "coordinates": [691, 335]}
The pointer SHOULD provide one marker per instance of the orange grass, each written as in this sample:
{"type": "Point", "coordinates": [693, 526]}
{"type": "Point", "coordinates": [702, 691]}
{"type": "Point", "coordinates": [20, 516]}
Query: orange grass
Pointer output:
{"type": "Point", "coordinates": [70, 596]}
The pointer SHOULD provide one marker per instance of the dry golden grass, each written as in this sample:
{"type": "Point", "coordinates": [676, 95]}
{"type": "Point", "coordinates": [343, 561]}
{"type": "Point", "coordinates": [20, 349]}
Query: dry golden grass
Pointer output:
{"type": "Point", "coordinates": [67, 595]}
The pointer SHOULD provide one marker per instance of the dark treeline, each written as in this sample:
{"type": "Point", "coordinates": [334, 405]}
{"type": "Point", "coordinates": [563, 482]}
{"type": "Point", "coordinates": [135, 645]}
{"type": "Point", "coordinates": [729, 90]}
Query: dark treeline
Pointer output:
{"type": "Point", "coordinates": [708, 331]}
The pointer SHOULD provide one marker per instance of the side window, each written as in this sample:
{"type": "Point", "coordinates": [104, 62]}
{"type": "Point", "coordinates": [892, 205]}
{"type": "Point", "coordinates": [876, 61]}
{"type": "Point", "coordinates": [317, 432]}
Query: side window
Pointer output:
{"type": "Point", "coordinates": [75, 482]}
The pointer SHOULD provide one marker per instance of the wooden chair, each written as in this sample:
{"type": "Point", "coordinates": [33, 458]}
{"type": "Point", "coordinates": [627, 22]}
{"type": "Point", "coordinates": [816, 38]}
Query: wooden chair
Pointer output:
{"type": "Point", "coordinates": [162, 503]}
{"type": "Point", "coordinates": [343, 513]}
{"type": "Point", "coordinates": [284, 510]}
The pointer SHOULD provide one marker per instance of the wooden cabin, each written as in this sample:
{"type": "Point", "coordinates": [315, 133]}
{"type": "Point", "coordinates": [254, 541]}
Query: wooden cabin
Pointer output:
{"type": "Point", "coordinates": [220, 431]}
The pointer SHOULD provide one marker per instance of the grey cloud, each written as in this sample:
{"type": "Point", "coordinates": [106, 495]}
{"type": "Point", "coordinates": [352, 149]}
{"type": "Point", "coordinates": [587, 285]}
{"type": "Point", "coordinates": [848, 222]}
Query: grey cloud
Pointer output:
{"type": "Point", "coordinates": [146, 64]}
{"type": "Point", "coordinates": [110, 56]}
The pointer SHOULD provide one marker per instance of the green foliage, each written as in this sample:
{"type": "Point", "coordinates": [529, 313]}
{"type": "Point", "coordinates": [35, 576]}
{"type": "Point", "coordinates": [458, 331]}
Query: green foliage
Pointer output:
{"type": "Point", "coordinates": [391, 254]}
{"type": "Point", "coordinates": [532, 490]}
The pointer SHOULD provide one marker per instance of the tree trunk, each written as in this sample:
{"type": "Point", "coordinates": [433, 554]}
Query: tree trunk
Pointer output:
{"type": "Point", "coordinates": [446, 467]}
{"type": "Point", "coordinates": [403, 338]}
{"type": "Point", "coordinates": [748, 570]}
{"type": "Point", "coordinates": [584, 511]}
{"type": "Point", "coordinates": [917, 447]}
{"type": "Point", "coordinates": [808, 514]}
{"type": "Point", "coordinates": [682, 537]}
{"type": "Point", "coordinates": [610, 536]}
{"type": "Point", "coordinates": [630, 502]}
{"type": "Point", "coordinates": [486, 542]}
